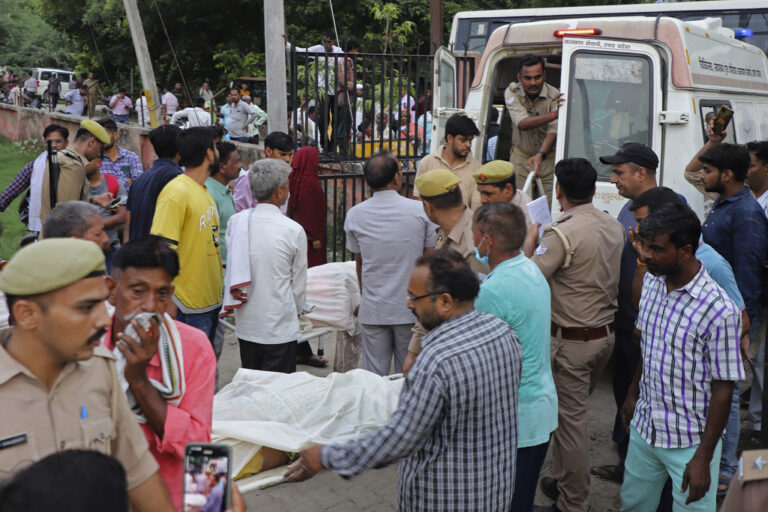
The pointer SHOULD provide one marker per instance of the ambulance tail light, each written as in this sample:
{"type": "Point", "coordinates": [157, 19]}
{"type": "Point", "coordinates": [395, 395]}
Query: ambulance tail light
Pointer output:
{"type": "Point", "coordinates": [578, 32]}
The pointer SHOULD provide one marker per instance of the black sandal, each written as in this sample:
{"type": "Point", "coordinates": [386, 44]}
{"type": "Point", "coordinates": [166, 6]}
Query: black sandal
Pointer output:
{"type": "Point", "coordinates": [314, 360]}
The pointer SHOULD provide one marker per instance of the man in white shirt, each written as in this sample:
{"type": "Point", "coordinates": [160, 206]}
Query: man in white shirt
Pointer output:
{"type": "Point", "coordinates": [170, 103]}
{"type": "Point", "coordinates": [260, 119]}
{"type": "Point", "coordinates": [194, 116]}
{"type": "Point", "coordinates": [142, 110]}
{"type": "Point", "coordinates": [30, 86]}
{"type": "Point", "coordinates": [267, 325]}
{"type": "Point", "coordinates": [75, 101]}
{"type": "Point", "coordinates": [326, 68]}
{"type": "Point", "coordinates": [205, 92]}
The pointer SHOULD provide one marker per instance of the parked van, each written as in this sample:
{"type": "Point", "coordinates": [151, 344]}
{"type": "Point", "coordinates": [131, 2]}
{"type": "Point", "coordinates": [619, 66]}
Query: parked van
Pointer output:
{"type": "Point", "coordinates": [631, 78]}
{"type": "Point", "coordinates": [43, 75]}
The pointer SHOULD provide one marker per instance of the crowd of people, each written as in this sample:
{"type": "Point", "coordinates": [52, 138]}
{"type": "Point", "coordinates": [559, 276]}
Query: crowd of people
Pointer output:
{"type": "Point", "coordinates": [331, 113]}
{"type": "Point", "coordinates": [502, 330]}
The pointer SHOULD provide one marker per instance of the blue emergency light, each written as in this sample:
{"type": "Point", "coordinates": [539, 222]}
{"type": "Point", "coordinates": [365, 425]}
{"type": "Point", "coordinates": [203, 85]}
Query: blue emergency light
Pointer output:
{"type": "Point", "coordinates": [744, 32]}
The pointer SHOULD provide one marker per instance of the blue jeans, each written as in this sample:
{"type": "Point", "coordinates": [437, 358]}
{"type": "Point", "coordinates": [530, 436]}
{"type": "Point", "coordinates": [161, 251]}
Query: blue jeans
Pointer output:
{"type": "Point", "coordinates": [121, 119]}
{"type": "Point", "coordinates": [206, 322]}
{"type": "Point", "coordinates": [729, 462]}
{"type": "Point", "coordinates": [647, 469]}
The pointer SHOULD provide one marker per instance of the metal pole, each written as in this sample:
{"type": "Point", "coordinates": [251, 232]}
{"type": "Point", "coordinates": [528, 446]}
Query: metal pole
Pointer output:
{"type": "Point", "coordinates": [274, 29]}
{"type": "Point", "coordinates": [142, 55]}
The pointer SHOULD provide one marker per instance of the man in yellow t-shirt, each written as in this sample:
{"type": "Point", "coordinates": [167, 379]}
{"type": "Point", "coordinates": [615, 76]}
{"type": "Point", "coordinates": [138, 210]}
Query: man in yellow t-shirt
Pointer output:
{"type": "Point", "coordinates": [187, 217]}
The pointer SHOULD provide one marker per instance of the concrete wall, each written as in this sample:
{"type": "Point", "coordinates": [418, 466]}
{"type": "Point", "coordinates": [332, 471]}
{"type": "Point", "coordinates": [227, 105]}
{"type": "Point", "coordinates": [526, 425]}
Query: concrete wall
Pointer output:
{"type": "Point", "coordinates": [22, 123]}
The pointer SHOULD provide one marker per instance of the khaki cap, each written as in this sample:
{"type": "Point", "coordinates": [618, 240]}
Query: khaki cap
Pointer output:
{"type": "Point", "coordinates": [495, 172]}
{"type": "Point", "coordinates": [96, 130]}
{"type": "Point", "coordinates": [51, 264]}
{"type": "Point", "coordinates": [437, 183]}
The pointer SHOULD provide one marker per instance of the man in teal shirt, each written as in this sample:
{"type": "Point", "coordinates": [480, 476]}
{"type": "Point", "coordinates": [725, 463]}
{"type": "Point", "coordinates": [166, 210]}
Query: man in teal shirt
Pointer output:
{"type": "Point", "coordinates": [218, 186]}
{"type": "Point", "coordinates": [517, 292]}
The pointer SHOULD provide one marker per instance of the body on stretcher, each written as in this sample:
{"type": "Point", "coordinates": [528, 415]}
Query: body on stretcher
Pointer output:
{"type": "Point", "coordinates": [268, 417]}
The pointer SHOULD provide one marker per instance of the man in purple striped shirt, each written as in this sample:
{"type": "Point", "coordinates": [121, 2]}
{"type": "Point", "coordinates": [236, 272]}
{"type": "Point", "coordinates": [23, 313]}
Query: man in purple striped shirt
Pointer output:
{"type": "Point", "coordinates": [679, 401]}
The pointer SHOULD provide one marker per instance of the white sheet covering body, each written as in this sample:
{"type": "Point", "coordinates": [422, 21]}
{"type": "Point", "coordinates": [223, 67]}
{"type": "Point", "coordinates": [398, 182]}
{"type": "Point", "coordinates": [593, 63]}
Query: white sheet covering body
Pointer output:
{"type": "Point", "coordinates": [290, 412]}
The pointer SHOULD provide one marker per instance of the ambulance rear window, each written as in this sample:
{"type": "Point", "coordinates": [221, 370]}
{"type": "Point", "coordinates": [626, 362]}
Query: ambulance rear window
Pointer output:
{"type": "Point", "coordinates": [609, 104]}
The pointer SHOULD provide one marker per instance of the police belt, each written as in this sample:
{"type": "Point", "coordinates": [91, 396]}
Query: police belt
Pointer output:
{"type": "Point", "coordinates": [520, 152]}
{"type": "Point", "coordinates": [582, 333]}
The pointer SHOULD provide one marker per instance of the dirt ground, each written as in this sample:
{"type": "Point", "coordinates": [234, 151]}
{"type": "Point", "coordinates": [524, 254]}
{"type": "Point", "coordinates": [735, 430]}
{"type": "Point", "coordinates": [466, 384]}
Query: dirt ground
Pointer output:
{"type": "Point", "coordinates": [377, 490]}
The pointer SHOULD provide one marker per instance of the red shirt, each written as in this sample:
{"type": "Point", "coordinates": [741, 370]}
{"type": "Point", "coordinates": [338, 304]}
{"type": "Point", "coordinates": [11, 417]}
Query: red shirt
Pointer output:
{"type": "Point", "coordinates": [191, 420]}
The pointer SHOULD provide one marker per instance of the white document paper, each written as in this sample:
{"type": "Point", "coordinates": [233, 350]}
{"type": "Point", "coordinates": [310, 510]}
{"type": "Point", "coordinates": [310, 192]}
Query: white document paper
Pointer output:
{"type": "Point", "coordinates": [538, 211]}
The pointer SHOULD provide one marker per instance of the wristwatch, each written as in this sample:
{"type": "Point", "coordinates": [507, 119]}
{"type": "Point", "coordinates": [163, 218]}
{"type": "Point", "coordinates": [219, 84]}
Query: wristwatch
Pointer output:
{"type": "Point", "coordinates": [543, 154]}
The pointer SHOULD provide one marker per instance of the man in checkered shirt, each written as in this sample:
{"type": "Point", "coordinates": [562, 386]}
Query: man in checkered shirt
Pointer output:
{"type": "Point", "coordinates": [456, 423]}
{"type": "Point", "coordinates": [681, 395]}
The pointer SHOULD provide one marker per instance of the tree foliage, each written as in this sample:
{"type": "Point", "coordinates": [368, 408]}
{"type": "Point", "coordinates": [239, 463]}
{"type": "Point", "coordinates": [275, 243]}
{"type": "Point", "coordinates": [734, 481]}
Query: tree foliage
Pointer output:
{"type": "Point", "coordinates": [217, 41]}
{"type": "Point", "coordinates": [27, 41]}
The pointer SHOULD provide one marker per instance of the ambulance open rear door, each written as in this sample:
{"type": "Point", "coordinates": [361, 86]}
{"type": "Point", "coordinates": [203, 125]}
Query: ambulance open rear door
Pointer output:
{"type": "Point", "coordinates": [613, 94]}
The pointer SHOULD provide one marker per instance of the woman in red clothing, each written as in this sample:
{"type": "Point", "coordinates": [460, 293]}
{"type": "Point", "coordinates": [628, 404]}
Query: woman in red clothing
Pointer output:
{"type": "Point", "coordinates": [306, 204]}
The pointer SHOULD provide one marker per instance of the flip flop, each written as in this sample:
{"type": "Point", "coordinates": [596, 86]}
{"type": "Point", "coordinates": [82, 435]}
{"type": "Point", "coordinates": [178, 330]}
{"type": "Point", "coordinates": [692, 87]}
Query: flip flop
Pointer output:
{"type": "Point", "coordinates": [723, 483]}
{"type": "Point", "coordinates": [314, 360]}
{"type": "Point", "coordinates": [609, 472]}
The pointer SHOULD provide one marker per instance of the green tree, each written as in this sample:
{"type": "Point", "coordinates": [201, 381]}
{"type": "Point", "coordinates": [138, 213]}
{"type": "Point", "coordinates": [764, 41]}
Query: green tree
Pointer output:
{"type": "Point", "coordinates": [27, 41]}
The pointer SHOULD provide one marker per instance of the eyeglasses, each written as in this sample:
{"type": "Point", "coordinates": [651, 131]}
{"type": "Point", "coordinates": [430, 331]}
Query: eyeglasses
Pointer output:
{"type": "Point", "coordinates": [414, 299]}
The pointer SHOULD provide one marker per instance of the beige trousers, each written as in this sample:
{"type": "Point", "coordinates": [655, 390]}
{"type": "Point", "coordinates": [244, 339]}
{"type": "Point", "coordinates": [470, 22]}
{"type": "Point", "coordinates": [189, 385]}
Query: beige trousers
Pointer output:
{"type": "Point", "coordinates": [576, 367]}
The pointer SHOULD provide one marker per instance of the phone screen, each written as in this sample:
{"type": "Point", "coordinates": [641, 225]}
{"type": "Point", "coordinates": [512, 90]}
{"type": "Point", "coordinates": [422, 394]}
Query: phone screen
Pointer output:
{"type": "Point", "coordinates": [206, 477]}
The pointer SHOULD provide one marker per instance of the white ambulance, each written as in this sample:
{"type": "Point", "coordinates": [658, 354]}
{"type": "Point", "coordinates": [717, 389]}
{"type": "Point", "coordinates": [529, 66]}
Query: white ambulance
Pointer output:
{"type": "Point", "coordinates": [632, 78]}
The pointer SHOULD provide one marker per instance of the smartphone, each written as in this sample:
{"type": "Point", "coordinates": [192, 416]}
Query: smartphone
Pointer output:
{"type": "Point", "coordinates": [115, 203]}
{"type": "Point", "coordinates": [722, 119]}
{"type": "Point", "coordinates": [207, 475]}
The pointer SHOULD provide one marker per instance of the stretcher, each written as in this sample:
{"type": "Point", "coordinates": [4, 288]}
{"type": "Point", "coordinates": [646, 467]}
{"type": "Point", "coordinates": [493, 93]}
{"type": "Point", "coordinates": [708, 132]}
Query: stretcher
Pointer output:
{"type": "Point", "coordinates": [290, 412]}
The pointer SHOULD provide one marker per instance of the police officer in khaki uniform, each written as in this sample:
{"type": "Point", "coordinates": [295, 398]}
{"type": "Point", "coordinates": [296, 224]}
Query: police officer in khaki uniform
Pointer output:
{"type": "Point", "coordinates": [496, 183]}
{"type": "Point", "coordinates": [580, 256]}
{"type": "Point", "coordinates": [456, 156]}
{"type": "Point", "coordinates": [443, 204]}
{"type": "Point", "coordinates": [72, 182]}
{"type": "Point", "coordinates": [58, 387]}
{"type": "Point", "coordinates": [532, 105]}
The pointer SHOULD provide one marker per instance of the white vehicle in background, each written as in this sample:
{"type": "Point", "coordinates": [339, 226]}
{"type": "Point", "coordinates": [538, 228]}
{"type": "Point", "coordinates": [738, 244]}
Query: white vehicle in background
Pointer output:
{"type": "Point", "coordinates": [626, 78]}
{"type": "Point", "coordinates": [43, 76]}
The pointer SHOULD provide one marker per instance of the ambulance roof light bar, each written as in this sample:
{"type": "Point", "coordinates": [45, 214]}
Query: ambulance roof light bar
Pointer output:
{"type": "Point", "coordinates": [578, 32]}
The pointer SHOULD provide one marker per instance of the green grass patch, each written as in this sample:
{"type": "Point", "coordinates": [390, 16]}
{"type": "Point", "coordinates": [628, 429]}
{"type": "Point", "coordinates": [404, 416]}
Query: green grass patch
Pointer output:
{"type": "Point", "coordinates": [13, 156]}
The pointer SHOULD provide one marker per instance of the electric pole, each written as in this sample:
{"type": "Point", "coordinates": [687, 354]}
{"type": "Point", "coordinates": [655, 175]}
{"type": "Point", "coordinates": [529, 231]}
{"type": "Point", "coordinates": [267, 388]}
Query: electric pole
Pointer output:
{"type": "Point", "coordinates": [435, 25]}
{"type": "Point", "coordinates": [274, 44]}
{"type": "Point", "coordinates": [142, 55]}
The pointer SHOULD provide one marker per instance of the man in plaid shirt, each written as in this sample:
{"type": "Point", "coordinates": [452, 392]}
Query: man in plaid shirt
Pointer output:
{"type": "Point", "coordinates": [681, 395]}
{"type": "Point", "coordinates": [456, 423]}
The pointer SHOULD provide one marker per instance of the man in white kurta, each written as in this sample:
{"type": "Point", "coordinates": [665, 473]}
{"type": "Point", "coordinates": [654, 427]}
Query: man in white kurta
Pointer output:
{"type": "Point", "coordinates": [268, 320]}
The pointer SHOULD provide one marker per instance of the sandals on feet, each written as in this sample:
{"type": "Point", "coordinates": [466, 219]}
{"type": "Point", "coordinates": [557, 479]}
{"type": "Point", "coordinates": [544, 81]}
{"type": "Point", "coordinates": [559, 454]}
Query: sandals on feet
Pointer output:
{"type": "Point", "coordinates": [610, 472]}
{"type": "Point", "coordinates": [314, 360]}
{"type": "Point", "coordinates": [723, 483]}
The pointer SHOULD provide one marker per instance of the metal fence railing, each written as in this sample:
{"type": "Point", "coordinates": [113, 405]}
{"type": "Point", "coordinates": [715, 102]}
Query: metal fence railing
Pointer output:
{"type": "Point", "coordinates": [342, 192]}
{"type": "Point", "coordinates": [353, 105]}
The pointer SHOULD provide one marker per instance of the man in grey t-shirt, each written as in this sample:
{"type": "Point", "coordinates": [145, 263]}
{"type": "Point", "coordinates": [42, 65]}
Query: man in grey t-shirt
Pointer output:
{"type": "Point", "coordinates": [240, 116]}
{"type": "Point", "coordinates": [387, 233]}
